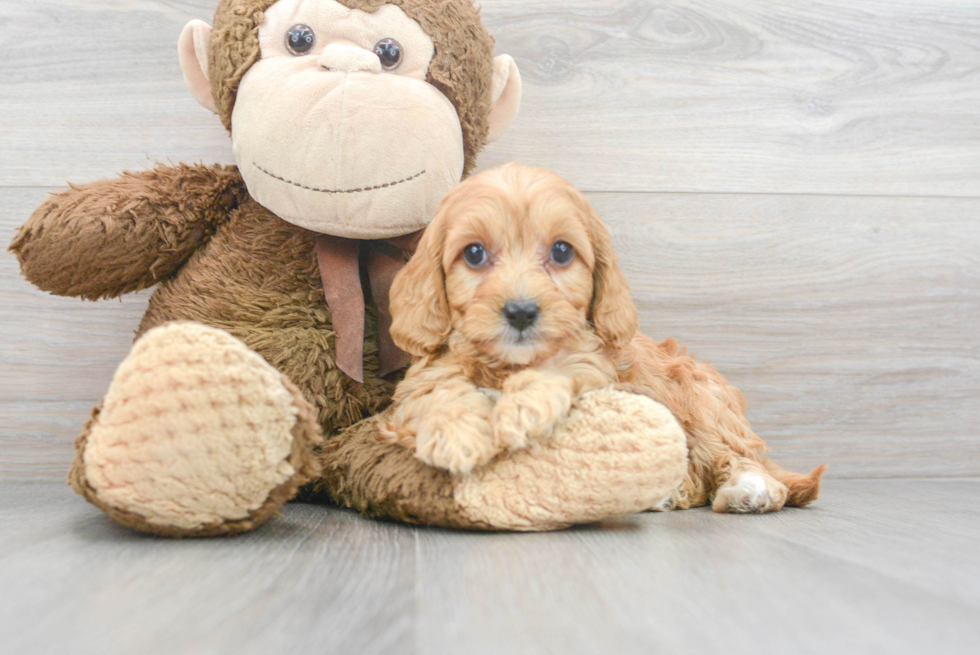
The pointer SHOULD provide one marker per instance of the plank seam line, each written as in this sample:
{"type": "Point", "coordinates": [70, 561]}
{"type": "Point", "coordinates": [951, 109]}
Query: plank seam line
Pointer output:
{"type": "Point", "coordinates": [780, 193]}
{"type": "Point", "coordinates": [28, 187]}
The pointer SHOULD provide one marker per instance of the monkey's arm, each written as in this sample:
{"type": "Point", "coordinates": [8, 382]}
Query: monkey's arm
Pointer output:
{"type": "Point", "coordinates": [111, 237]}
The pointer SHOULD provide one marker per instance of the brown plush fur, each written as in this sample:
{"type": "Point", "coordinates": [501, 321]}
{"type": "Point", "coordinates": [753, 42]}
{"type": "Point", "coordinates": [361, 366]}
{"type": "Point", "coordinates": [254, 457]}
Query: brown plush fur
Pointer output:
{"type": "Point", "coordinates": [462, 66]}
{"type": "Point", "coordinates": [251, 273]}
{"type": "Point", "coordinates": [257, 278]}
{"type": "Point", "coordinates": [384, 480]}
{"type": "Point", "coordinates": [111, 237]}
{"type": "Point", "coordinates": [243, 270]}
{"type": "Point", "coordinates": [450, 314]}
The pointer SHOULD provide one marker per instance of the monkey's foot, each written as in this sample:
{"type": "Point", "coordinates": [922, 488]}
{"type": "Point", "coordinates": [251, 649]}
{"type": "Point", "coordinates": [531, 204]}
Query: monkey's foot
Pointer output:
{"type": "Point", "coordinates": [196, 436]}
{"type": "Point", "coordinates": [617, 453]}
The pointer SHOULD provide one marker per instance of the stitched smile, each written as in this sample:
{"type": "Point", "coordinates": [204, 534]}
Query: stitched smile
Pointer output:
{"type": "Point", "coordinates": [362, 189]}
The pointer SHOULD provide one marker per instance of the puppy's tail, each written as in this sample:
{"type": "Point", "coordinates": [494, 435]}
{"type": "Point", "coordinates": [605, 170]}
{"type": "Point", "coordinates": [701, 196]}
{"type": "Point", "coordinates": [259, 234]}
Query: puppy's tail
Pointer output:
{"type": "Point", "coordinates": [803, 489]}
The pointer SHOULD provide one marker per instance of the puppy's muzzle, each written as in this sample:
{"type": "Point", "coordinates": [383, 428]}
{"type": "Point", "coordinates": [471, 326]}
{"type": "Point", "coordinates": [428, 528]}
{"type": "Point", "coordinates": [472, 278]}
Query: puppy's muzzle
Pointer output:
{"type": "Point", "coordinates": [521, 314]}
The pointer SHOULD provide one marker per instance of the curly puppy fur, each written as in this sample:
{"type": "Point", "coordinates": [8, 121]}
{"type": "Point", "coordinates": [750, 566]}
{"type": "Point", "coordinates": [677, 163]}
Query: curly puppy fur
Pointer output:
{"type": "Point", "coordinates": [481, 385]}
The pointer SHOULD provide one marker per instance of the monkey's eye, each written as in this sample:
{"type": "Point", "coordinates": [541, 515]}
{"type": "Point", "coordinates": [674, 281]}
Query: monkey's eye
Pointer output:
{"type": "Point", "coordinates": [475, 255]}
{"type": "Point", "coordinates": [562, 253]}
{"type": "Point", "coordinates": [389, 52]}
{"type": "Point", "coordinates": [300, 39]}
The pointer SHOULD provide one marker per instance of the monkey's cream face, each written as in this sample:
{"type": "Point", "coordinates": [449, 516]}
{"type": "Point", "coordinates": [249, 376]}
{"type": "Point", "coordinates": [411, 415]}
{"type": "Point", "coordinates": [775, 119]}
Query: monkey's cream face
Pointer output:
{"type": "Point", "coordinates": [335, 128]}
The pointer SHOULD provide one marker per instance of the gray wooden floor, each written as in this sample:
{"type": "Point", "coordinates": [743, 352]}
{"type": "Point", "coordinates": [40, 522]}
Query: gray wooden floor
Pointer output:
{"type": "Point", "coordinates": [877, 566]}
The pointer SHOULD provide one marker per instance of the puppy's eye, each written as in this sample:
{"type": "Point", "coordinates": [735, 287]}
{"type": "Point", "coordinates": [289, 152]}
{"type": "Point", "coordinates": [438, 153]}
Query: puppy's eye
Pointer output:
{"type": "Point", "coordinates": [475, 255]}
{"type": "Point", "coordinates": [562, 253]}
{"type": "Point", "coordinates": [300, 39]}
{"type": "Point", "coordinates": [389, 52]}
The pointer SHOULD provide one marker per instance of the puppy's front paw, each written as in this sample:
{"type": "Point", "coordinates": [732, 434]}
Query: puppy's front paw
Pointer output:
{"type": "Point", "coordinates": [523, 416]}
{"type": "Point", "coordinates": [455, 443]}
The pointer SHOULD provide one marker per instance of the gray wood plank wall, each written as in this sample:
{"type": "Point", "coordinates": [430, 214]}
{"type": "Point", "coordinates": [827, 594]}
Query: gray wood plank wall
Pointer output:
{"type": "Point", "coordinates": [793, 188]}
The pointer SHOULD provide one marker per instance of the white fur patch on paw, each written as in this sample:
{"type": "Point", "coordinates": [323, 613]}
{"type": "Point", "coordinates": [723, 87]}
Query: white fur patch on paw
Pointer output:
{"type": "Point", "coordinates": [751, 493]}
{"type": "Point", "coordinates": [668, 504]}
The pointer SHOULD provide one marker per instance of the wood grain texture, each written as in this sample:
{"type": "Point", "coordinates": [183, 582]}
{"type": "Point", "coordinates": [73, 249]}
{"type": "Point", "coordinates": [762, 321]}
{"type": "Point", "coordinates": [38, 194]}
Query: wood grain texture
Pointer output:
{"type": "Point", "coordinates": [874, 567]}
{"type": "Point", "coordinates": [866, 97]}
{"type": "Point", "coordinates": [837, 97]}
{"type": "Point", "coordinates": [848, 322]}
{"type": "Point", "coordinates": [839, 577]}
{"type": "Point", "coordinates": [106, 95]}
{"type": "Point", "coordinates": [316, 577]}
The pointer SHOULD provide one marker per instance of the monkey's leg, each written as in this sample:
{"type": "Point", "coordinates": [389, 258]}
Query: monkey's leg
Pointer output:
{"type": "Point", "coordinates": [197, 436]}
{"type": "Point", "coordinates": [616, 454]}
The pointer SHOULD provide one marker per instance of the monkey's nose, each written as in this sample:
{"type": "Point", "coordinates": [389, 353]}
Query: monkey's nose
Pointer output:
{"type": "Point", "coordinates": [521, 314]}
{"type": "Point", "coordinates": [348, 59]}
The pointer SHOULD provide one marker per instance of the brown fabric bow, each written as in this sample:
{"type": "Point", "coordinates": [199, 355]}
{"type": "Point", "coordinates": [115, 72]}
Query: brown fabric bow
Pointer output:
{"type": "Point", "coordinates": [339, 261]}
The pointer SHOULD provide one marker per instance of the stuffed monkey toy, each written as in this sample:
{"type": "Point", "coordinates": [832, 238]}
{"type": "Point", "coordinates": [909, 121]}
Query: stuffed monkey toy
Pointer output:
{"type": "Point", "coordinates": [264, 358]}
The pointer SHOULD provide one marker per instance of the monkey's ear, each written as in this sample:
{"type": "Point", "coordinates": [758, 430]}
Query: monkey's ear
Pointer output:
{"type": "Point", "coordinates": [192, 48]}
{"type": "Point", "coordinates": [505, 96]}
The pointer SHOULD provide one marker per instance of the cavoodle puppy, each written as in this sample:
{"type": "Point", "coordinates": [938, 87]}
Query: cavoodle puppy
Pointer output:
{"type": "Point", "coordinates": [513, 305]}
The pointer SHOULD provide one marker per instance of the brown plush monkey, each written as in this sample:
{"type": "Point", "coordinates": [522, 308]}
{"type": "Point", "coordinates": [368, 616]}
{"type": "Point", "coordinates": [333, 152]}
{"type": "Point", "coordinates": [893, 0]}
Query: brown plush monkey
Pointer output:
{"type": "Point", "coordinates": [262, 359]}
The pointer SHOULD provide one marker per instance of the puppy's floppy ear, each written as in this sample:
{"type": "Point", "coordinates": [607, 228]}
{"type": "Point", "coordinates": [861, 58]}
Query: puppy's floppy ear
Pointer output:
{"type": "Point", "coordinates": [613, 313]}
{"type": "Point", "coordinates": [419, 306]}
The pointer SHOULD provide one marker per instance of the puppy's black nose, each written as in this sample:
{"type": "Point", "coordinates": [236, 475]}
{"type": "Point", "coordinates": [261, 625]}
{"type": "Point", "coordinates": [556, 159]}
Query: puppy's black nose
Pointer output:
{"type": "Point", "coordinates": [521, 314]}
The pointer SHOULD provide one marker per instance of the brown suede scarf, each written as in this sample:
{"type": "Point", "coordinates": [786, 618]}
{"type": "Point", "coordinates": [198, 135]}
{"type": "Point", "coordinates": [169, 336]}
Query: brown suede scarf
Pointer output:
{"type": "Point", "coordinates": [339, 261]}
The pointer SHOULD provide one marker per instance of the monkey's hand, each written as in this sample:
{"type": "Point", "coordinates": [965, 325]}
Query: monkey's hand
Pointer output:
{"type": "Point", "coordinates": [111, 237]}
{"type": "Point", "coordinates": [531, 406]}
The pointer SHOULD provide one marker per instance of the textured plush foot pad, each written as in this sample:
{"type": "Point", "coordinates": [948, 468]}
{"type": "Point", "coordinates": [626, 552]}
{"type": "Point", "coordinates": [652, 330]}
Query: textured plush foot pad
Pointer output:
{"type": "Point", "coordinates": [618, 453]}
{"type": "Point", "coordinates": [196, 435]}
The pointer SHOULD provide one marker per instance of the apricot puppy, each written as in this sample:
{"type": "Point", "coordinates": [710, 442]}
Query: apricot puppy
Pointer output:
{"type": "Point", "coordinates": [513, 305]}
